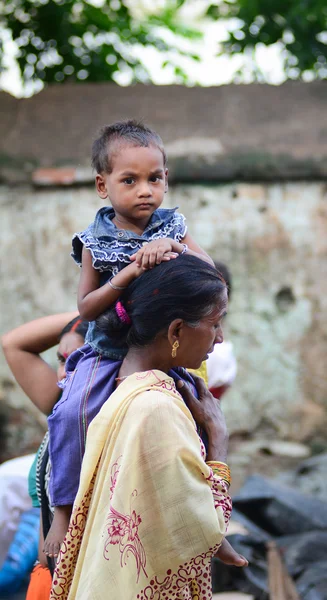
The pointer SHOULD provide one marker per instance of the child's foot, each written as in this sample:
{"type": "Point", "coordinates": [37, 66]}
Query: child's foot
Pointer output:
{"type": "Point", "coordinates": [229, 556]}
{"type": "Point", "coordinates": [57, 531]}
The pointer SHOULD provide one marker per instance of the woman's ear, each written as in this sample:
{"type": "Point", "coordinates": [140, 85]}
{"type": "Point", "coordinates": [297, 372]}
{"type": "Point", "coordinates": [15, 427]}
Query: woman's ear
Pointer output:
{"type": "Point", "coordinates": [166, 181]}
{"type": "Point", "coordinates": [100, 185]}
{"type": "Point", "coordinates": [175, 331]}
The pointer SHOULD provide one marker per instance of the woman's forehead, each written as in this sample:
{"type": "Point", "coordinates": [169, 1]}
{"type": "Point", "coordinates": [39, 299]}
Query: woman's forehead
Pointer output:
{"type": "Point", "coordinates": [69, 342]}
{"type": "Point", "coordinates": [220, 309]}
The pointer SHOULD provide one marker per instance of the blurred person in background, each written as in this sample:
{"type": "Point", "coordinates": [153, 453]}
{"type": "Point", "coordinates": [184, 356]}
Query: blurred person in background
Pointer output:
{"type": "Point", "coordinates": [19, 523]}
{"type": "Point", "coordinates": [22, 348]}
{"type": "Point", "coordinates": [221, 365]}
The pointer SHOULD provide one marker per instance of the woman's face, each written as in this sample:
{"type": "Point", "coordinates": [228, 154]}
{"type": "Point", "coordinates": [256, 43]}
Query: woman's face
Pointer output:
{"type": "Point", "coordinates": [68, 343]}
{"type": "Point", "coordinates": [197, 342]}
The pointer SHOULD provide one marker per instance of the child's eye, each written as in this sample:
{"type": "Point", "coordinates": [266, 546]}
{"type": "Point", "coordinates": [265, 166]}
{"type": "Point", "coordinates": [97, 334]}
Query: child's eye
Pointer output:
{"type": "Point", "coordinates": [155, 178]}
{"type": "Point", "coordinates": [129, 180]}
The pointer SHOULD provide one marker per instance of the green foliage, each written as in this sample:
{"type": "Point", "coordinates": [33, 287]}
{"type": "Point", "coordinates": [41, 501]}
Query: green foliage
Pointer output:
{"type": "Point", "coordinates": [79, 40]}
{"type": "Point", "coordinates": [76, 40]}
{"type": "Point", "coordinates": [300, 26]}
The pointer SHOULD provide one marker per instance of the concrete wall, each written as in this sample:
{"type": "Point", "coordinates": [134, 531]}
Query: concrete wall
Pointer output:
{"type": "Point", "coordinates": [236, 132]}
{"type": "Point", "coordinates": [273, 238]}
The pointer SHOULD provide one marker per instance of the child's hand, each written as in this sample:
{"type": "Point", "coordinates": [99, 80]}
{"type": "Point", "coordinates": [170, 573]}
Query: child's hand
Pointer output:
{"type": "Point", "coordinates": [154, 253]}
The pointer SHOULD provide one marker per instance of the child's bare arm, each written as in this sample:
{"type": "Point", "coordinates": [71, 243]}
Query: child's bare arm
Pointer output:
{"type": "Point", "coordinates": [93, 300]}
{"type": "Point", "coordinates": [164, 249]}
{"type": "Point", "coordinates": [193, 249]}
{"type": "Point", "coordinates": [58, 530]}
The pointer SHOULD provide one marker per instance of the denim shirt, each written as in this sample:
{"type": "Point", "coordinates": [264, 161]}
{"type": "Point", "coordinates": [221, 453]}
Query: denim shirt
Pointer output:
{"type": "Point", "coordinates": [111, 249]}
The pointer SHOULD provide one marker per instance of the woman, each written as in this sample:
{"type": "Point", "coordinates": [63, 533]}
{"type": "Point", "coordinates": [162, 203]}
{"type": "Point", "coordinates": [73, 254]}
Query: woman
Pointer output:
{"type": "Point", "coordinates": [150, 511]}
{"type": "Point", "coordinates": [22, 348]}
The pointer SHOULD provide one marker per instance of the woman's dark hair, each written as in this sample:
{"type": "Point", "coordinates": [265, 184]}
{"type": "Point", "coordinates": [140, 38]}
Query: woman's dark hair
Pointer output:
{"type": "Point", "coordinates": [226, 275]}
{"type": "Point", "coordinates": [77, 325]}
{"type": "Point", "coordinates": [185, 288]}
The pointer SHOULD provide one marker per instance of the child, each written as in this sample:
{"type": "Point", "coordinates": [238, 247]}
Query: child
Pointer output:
{"type": "Point", "coordinates": [133, 235]}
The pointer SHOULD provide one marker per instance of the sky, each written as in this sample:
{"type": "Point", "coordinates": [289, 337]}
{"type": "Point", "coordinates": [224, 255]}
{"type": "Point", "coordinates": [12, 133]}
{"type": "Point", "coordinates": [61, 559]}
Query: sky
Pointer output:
{"type": "Point", "coordinates": [211, 70]}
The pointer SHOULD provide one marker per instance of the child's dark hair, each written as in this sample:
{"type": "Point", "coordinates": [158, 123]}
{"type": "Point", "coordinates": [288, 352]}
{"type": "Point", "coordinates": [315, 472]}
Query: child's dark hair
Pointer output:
{"type": "Point", "coordinates": [132, 132]}
{"type": "Point", "coordinates": [77, 325]}
{"type": "Point", "coordinates": [186, 288]}
{"type": "Point", "coordinates": [226, 275]}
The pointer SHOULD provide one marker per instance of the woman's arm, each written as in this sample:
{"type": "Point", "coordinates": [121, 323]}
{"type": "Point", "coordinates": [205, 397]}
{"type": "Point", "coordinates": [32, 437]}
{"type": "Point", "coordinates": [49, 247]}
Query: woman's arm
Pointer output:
{"type": "Point", "coordinates": [173, 452]}
{"type": "Point", "coordinates": [207, 412]}
{"type": "Point", "coordinates": [22, 348]}
{"type": "Point", "coordinates": [93, 300]}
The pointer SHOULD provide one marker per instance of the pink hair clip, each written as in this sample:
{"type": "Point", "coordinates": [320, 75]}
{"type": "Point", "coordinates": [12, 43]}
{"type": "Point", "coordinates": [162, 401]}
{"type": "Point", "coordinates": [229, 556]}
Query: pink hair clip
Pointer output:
{"type": "Point", "coordinates": [122, 313]}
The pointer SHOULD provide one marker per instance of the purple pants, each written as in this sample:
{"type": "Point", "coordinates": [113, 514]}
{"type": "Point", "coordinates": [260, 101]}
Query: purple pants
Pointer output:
{"type": "Point", "coordinates": [89, 383]}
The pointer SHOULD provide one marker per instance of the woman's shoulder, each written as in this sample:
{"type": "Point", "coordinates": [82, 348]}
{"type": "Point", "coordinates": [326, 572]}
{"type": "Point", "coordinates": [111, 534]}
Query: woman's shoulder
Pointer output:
{"type": "Point", "coordinates": [163, 418]}
{"type": "Point", "coordinates": [155, 386]}
{"type": "Point", "coordinates": [160, 400]}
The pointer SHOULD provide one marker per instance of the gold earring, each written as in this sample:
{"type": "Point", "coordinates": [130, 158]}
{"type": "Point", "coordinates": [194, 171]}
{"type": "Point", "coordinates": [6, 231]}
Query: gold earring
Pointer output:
{"type": "Point", "coordinates": [174, 349]}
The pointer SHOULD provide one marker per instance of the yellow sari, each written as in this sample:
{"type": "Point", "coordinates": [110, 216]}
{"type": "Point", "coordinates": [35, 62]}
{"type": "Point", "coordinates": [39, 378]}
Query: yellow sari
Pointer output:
{"type": "Point", "coordinates": [149, 513]}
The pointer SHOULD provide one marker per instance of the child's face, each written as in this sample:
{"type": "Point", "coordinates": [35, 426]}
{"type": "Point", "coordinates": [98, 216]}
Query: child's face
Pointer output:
{"type": "Point", "coordinates": [137, 183]}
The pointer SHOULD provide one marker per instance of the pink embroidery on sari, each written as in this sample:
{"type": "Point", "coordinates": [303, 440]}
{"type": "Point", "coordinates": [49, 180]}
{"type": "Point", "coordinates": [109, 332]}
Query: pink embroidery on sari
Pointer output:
{"type": "Point", "coordinates": [225, 502]}
{"type": "Point", "coordinates": [203, 449]}
{"type": "Point", "coordinates": [113, 476]}
{"type": "Point", "coordinates": [166, 384]}
{"type": "Point", "coordinates": [191, 581]}
{"type": "Point", "coordinates": [122, 530]}
{"type": "Point", "coordinates": [219, 489]}
{"type": "Point", "coordinates": [68, 554]}
{"type": "Point", "coordinates": [146, 375]}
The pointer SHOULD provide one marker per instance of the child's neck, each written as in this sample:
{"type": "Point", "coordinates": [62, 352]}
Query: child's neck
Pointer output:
{"type": "Point", "coordinates": [137, 225]}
